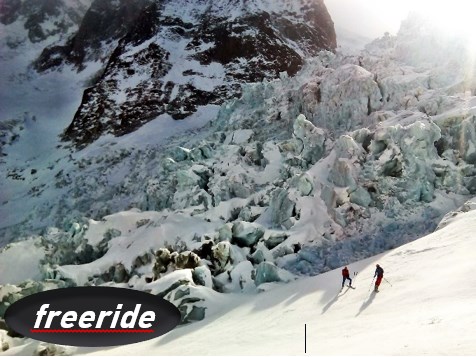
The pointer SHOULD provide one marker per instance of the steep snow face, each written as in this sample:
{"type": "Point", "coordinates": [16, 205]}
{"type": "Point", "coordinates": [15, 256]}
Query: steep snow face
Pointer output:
{"type": "Point", "coordinates": [103, 24]}
{"type": "Point", "coordinates": [26, 28]}
{"type": "Point", "coordinates": [40, 19]}
{"type": "Point", "coordinates": [177, 56]}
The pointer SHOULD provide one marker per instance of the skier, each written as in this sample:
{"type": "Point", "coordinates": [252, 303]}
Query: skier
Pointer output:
{"type": "Point", "coordinates": [345, 276]}
{"type": "Point", "coordinates": [379, 275]}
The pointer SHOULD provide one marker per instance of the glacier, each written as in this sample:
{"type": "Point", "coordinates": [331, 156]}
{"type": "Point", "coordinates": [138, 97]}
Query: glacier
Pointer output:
{"type": "Point", "coordinates": [351, 157]}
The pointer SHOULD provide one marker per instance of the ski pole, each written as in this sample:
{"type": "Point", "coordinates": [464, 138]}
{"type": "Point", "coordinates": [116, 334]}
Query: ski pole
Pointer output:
{"type": "Point", "coordinates": [371, 283]}
{"type": "Point", "coordinates": [388, 282]}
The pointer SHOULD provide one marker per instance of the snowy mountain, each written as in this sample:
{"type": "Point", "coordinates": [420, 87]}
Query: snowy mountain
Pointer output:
{"type": "Point", "coordinates": [27, 27]}
{"type": "Point", "coordinates": [351, 156]}
{"type": "Point", "coordinates": [174, 57]}
{"type": "Point", "coordinates": [37, 21]}
{"type": "Point", "coordinates": [130, 82]}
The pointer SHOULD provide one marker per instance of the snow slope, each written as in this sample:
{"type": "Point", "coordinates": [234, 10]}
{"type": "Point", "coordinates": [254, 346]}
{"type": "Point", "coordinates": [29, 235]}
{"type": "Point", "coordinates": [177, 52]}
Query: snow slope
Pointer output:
{"type": "Point", "coordinates": [428, 310]}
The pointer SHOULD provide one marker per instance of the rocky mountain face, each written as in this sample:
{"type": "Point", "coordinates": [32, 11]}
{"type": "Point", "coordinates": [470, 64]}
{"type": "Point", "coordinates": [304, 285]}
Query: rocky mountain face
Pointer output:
{"type": "Point", "coordinates": [41, 18]}
{"type": "Point", "coordinates": [173, 57]}
{"type": "Point", "coordinates": [105, 22]}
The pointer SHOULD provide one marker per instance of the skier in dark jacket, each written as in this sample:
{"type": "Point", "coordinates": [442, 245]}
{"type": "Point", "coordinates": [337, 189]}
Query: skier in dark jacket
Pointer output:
{"type": "Point", "coordinates": [379, 275]}
{"type": "Point", "coordinates": [345, 276]}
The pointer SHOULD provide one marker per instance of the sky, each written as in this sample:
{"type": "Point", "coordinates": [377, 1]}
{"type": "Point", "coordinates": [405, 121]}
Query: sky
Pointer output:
{"type": "Point", "coordinates": [372, 18]}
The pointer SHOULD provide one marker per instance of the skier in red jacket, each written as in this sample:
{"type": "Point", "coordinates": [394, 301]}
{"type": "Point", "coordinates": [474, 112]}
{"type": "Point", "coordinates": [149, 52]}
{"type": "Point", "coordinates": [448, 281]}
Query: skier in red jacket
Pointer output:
{"type": "Point", "coordinates": [379, 275]}
{"type": "Point", "coordinates": [345, 276]}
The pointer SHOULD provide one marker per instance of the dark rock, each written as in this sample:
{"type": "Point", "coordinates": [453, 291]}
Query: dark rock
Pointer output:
{"type": "Point", "coordinates": [105, 21]}
{"type": "Point", "coordinates": [9, 11]}
{"type": "Point", "coordinates": [162, 261]}
{"type": "Point", "coordinates": [142, 260]}
{"type": "Point", "coordinates": [297, 247]}
{"type": "Point", "coordinates": [120, 274]}
{"type": "Point", "coordinates": [205, 251]}
{"type": "Point", "coordinates": [140, 106]}
{"type": "Point", "coordinates": [197, 314]}
{"type": "Point", "coordinates": [187, 260]}
{"type": "Point", "coordinates": [180, 293]}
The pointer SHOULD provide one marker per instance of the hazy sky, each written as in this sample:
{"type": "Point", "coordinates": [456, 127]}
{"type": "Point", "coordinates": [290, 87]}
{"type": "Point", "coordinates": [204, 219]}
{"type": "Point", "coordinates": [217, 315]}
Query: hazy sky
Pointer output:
{"type": "Point", "coordinates": [372, 18]}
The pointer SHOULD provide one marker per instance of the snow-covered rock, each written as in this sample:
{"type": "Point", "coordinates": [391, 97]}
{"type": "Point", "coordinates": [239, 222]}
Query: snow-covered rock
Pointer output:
{"type": "Point", "coordinates": [348, 95]}
{"type": "Point", "coordinates": [361, 197]}
{"type": "Point", "coordinates": [41, 20]}
{"type": "Point", "coordinates": [225, 233]}
{"type": "Point", "coordinates": [203, 276]}
{"type": "Point", "coordinates": [282, 208]}
{"type": "Point", "coordinates": [275, 239]}
{"type": "Point", "coordinates": [311, 139]}
{"type": "Point", "coordinates": [247, 234]}
{"type": "Point", "coordinates": [239, 279]}
{"type": "Point", "coordinates": [267, 272]}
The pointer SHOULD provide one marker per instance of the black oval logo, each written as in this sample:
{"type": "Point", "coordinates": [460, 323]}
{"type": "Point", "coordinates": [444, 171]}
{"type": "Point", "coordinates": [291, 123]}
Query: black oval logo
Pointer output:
{"type": "Point", "coordinates": [92, 316]}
